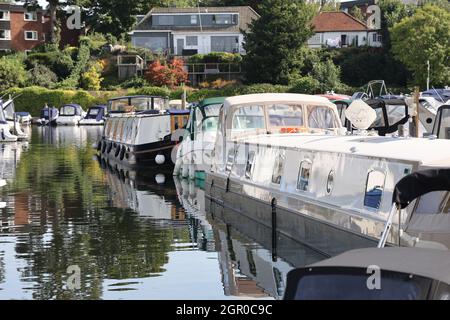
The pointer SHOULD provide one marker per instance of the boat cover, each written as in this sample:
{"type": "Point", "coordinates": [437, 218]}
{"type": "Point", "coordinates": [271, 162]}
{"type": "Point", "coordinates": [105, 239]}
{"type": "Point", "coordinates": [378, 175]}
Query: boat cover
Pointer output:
{"type": "Point", "coordinates": [419, 183]}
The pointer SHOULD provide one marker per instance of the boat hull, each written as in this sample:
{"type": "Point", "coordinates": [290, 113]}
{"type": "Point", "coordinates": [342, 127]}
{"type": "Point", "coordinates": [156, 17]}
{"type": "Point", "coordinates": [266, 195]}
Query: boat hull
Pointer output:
{"type": "Point", "coordinates": [328, 237]}
{"type": "Point", "coordinates": [68, 120]}
{"type": "Point", "coordinates": [91, 122]}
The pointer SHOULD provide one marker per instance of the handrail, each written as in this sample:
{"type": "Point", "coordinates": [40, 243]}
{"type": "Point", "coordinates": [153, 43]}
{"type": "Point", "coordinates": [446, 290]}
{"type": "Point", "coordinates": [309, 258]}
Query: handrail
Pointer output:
{"type": "Point", "coordinates": [388, 226]}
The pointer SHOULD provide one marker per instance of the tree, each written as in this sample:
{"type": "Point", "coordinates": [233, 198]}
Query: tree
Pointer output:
{"type": "Point", "coordinates": [357, 13]}
{"type": "Point", "coordinates": [275, 40]}
{"type": "Point", "coordinates": [171, 74]}
{"type": "Point", "coordinates": [421, 37]}
{"type": "Point", "coordinates": [328, 75]}
{"type": "Point", "coordinates": [12, 72]}
{"type": "Point", "coordinates": [392, 12]}
{"type": "Point", "coordinates": [41, 76]}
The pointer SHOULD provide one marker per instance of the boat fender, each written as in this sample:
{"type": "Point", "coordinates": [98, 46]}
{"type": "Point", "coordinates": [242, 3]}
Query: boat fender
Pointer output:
{"type": "Point", "coordinates": [122, 153]}
{"type": "Point", "coordinates": [117, 151]}
{"type": "Point", "coordinates": [160, 159]}
{"type": "Point", "coordinates": [103, 146]}
{"type": "Point", "coordinates": [108, 150]}
{"type": "Point", "coordinates": [3, 134]}
{"type": "Point", "coordinates": [160, 178]}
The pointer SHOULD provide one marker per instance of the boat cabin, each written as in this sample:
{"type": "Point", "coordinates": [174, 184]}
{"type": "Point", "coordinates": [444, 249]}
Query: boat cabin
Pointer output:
{"type": "Point", "coordinates": [71, 110]}
{"type": "Point", "coordinates": [204, 116]}
{"type": "Point", "coordinates": [96, 112]}
{"type": "Point", "coordinates": [404, 274]}
{"type": "Point", "coordinates": [136, 104]}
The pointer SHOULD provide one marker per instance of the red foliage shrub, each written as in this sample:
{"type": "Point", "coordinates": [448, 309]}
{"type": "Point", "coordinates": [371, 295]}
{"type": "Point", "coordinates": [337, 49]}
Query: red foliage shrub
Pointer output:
{"type": "Point", "coordinates": [171, 74]}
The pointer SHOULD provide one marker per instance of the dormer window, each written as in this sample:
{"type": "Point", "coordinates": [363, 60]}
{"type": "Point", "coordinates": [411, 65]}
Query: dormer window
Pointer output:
{"type": "Point", "coordinates": [194, 19]}
{"type": "Point", "coordinates": [30, 16]}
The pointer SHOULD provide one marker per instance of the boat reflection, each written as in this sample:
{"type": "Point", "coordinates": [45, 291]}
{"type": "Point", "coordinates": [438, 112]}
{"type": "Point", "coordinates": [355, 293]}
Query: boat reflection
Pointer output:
{"type": "Point", "coordinates": [68, 135]}
{"type": "Point", "coordinates": [250, 266]}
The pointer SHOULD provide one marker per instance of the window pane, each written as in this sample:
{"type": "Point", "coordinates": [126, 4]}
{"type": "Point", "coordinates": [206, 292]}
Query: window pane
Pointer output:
{"type": "Point", "coordinates": [67, 111]}
{"type": "Point", "coordinates": [444, 132]}
{"type": "Point", "coordinates": [165, 20]}
{"type": "Point", "coordinates": [248, 118]}
{"type": "Point", "coordinates": [379, 122]}
{"type": "Point", "coordinates": [194, 19]}
{"type": "Point", "coordinates": [278, 170]}
{"type": "Point", "coordinates": [250, 163]}
{"type": "Point", "coordinates": [285, 115]}
{"type": "Point", "coordinates": [223, 19]}
{"type": "Point", "coordinates": [374, 189]}
{"type": "Point", "coordinates": [191, 40]}
{"type": "Point", "coordinates": [304, 175]}
{"type": "Point", "coordinates": [395, 113]}
{"type": "Point", "coordinates": [224, 44]}
{"type": "Point", "coordinates": [321, 117]}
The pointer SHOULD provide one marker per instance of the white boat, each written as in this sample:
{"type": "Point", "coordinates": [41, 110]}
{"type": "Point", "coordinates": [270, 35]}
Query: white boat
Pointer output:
{"type": "Point", "coordinates": [48, 116]}
{"type": "Point", "coordinates": [141, 130]}
{"type": "Point", "coordinates": [70, 115]}
{"type": "Point", "coordinates": [24, 118]}
{"type": "Point", "coordinates": [13, 125]}
{"type": "Point", "coordinates": [95, 116]}
{"type": "Point", "coordinates": [5, 133]}
{"type": "Point", "coordinates": [195, 151]}
{"type": "Point", "coordinates": [329, 191]}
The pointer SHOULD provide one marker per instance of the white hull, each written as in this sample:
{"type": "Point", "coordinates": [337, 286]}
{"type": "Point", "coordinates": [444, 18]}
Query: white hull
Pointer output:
{"type": "Point", "coordinates": [68, 120]}
{"type": "Point", "coordinates": [91, 122]}
{"type": "Point", "coordinates": [5, 134]}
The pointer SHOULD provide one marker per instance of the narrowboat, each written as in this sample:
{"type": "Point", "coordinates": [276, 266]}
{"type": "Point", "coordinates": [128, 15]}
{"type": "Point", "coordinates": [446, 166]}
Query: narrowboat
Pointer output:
{"type": "Point", "coordinates": [70, 115]}
{"type": "Point", "coordinates": [308, 181]}
{"type": "Point", "coordinates": [10, 117]}
{"type": "Point", "coordinates": [195, 151]}
{"type": "Point", "coordinates": [95, 116]}
{"type": "Point", "coordinates": [142, 130]}
{"type": "Point", "coordinates": [48, 116]}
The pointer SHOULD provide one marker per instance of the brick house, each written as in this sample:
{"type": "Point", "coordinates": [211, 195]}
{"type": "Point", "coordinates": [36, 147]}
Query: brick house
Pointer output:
{"type": "Point", "coordinates": [23, 30]}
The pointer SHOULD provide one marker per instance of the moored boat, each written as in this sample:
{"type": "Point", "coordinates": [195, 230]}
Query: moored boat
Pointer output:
{"type": "Point", "coordinates": [10, 117]}
{"type": "Point", "coordinates": [141, 130]}
{"type": "Point", "coordinates": [48, 116]}
{"type": "Point", "coordinates": [70, 115]}
{"type": "Point", "coordinates": [329, 191]}
{"type": "Point", "coordinates": [95, 116]}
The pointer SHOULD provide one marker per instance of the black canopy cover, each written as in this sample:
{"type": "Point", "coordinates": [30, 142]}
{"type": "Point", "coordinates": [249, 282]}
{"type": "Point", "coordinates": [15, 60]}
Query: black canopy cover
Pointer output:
{"type": "Point", "coordinates": [419, 183]}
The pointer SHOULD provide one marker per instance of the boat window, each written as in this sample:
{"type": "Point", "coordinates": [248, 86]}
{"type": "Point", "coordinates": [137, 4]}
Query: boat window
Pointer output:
{"type": "Point", "coordinates": [278, 169]}
{"type": "Point", "coordinates": [395, 286]}
{"type": "Point", "coordinates": [94, 111]}
{"type": "Point", "coordinates": [444, 124]}
{"type": "Point", "coordinates": [379, 122]}
{"type": "Point", "coordinates": [395, 113]}
{"type": "Point", "coordinates": [249, 165]}
{"type": "Point", "coordinates": [304, 175]}
{"type": "Point", "coordinates": [283, 115]}
{"type": "Point", "coordinates": [230, 159]}
{"type": "Point", "coordinates": [341, 107]}
{"type": "Point", "coordinates": [321, 117]}
{"type": "Point", "coordinates": [330, 182]}
{"type": "Point", "coordinates": [68, 111]}
{"type": "Point", "coordinates": [248, 118]}
{"type": "Point", "coordinates": [374, 189]}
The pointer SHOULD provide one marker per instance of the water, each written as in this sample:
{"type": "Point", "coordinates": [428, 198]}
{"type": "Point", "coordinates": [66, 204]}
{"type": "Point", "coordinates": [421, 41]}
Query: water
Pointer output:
{"type": "Point", "coordinates": [130, 237]}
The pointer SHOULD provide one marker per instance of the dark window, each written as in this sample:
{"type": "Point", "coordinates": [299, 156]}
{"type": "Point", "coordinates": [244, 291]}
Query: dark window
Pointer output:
{"type": "Point", "coordinates": [304, 175]}
{"type": "Point", "coordinates": [249, 165]}
{"type": "Point", "coordinates": [278, 169]}
{"type": "Point", "coordinates": [191, 40]}
{"type": "Point", "coordinates": [374, 189]}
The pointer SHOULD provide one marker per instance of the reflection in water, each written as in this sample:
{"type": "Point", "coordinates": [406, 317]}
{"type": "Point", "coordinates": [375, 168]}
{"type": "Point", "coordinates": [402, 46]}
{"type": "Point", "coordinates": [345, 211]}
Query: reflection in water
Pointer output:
{"type": "Point", "coordinates": [134, 234]}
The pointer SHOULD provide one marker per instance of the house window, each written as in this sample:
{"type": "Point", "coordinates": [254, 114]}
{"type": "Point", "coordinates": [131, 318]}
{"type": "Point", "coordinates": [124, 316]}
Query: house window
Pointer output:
{"type": "Point", "coordinates": [225, 44]}
{"type": "Point", "coordinates": [191, 40]}
{"type": "Point", "coordinates": [4, 15]}
{"type": "Point", "coordinates": [278, 169]}
{"type": "Point", "coordinates": [5, 35]}
{"type": "Point", "coordinates": [30, 16]}
{"type": "Point", "coordinates": [194, 19]}
{"type": "Point", "coordinates": [249, 165]}
{"type": "Point", "coordinates": [304, 175]}
{"type": "Point", "coordinates": [380, 38]}
{"type": "Point", "coordinates": [31, 35]}
{"type": "Point", "coordinates": [166, 20]}
{"type": "Point", "coordinates": [374, 189]}
{"type": "Point", "coordinates": [223, 19]}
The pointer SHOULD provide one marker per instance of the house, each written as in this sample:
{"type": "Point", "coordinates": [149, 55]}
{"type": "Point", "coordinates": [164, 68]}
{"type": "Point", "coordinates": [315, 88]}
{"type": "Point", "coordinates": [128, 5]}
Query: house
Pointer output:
{"type": "Point", "coordinates": [339, 29]}
{"type": "Point", "coordinates": [23, 30]}
{"type": "Point", "coordinates": [188, 31]}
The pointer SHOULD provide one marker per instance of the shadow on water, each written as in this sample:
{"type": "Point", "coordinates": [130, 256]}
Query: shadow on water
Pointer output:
{"type": "Point", "coordinates": [134, 234]}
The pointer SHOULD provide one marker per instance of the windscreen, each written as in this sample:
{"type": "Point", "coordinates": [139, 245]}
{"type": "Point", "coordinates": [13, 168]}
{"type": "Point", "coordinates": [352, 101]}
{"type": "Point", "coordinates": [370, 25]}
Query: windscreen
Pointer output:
{"type": "Point", "coordinates": [442, 127]}
{"type": "Point", "coordinates": [392, 286]}
{"type": "Point", "coordinates": [68, 111]}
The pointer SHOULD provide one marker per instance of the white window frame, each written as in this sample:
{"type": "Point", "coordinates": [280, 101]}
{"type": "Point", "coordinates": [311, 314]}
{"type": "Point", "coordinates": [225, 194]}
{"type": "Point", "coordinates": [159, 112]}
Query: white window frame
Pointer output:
{"type": "Point", "coordinates": [191, 45]}
{"type": "Point", "coordinates": [7, 34]}
{"type": "Point", "coordinates": [34, 38]}
{"type": "Point", "coordinates": [194, 19]}
{"type": "Point", "coordinates": [6, 14]}
{"type": "Point", "coordinates": [34, 13]}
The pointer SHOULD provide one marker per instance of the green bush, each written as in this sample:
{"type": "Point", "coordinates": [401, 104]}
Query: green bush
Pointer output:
{"type": "Point", "coordinates": [307, 85]}
{"type": "Point", "coordinates": [42, 76]}
{"type": "Point", "coordinates": [152, 91]}
{"type": "Point", "coordinates": [84, 54]}
{"type": "Point", "coordinates": [216, 57]}
{"type": "Point", "coordinates": [58, 62]}
{"type": "Point", "coordinates": [263, 88]}
{"type": "Point", "coordinates": [12, 72]}
{"type": "Point", "coordinates": [135, 82]}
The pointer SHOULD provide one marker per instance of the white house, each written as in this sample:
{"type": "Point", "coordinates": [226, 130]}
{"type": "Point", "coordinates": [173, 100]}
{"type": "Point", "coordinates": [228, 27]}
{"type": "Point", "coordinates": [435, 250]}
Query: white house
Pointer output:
{"type": "Point", "coordinates": [339, 29]}
{"type": "Point", "coordinates": [187, 31]}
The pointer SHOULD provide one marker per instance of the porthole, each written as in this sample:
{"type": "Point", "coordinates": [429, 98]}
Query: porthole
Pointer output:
{"type": "Point", "coordinates": [330, 182]}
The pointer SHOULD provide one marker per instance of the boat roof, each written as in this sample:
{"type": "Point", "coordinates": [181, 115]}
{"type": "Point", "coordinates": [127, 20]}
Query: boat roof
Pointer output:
{"type": "Point", "coordinates": [137, 96]}
{"type": "Point", "coordinates": [429, 263]}
{"type": "Point", "coordinates": [427, 152]}
{"type": "Point", "coordinates": [265, 98]}
{"type": "Point", "coordinates": [100, 106]}
{"type": "Point", "coordinates": [210, 101]}
{"type": "Point", "coordinates": [77, 106]}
